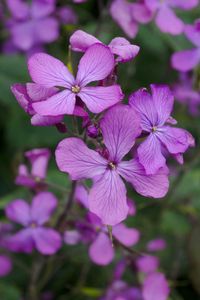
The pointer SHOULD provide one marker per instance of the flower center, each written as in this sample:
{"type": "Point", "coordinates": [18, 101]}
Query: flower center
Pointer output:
{"type": "Point", "coordinates": [33, 225]}
{"type": "Point", "coordinates": [111, 165]}
{"type": "Point", "coordinates": [76, 89]}
{"type": "Point", "coordinates": [154, 128]}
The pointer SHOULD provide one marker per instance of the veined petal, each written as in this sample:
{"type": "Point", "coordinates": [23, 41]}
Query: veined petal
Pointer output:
{"type": "Point", "coordinates": [38, 92]}
{"type": "Point", "coordinates": [127, 236]}
{"type": "Point", "coordinates": [18, 211]}
{"type": "Point", "coordinates": [150, 155]}
{"type": "Point", "coordinates": [120, 126]}
{"type": "Point", "coordinates": [101, 251]}
{"type": "Point", "coordinates": [142, 102]}
{"type": "Point", "coordinates": [39, 159]}
{"type": "Point", "coordinates": [163, 100]}
{"type": "Point", "coordinates": [49, 71]}
{"type": "Point", "coordinates": [100, 98]}
{"type": "Point", "coordinates": [20, 93]}
{"type": "Point", "coordinates": [47, 241]}
{"type": "Point", "coordinates": [107, 198]}
{"type": "Point", "coordinates": [155, 186]}
{"type": "Point", "coordinates": [75, 158]}
{"type": "Point", "coordinates": [185, 60]}
{"type": "Point", "coordinates": [43, 205]}
{"type": "Point", "coordinates": [96, 64]}
{"type": "Point", "coordinates": [58, 104]}
{"type": "Point", "coordinates": [123, 49]}
{"type": "Point", "coordinates": [81, 40]}
{"type": "Point", "coordinates": [38, 120]}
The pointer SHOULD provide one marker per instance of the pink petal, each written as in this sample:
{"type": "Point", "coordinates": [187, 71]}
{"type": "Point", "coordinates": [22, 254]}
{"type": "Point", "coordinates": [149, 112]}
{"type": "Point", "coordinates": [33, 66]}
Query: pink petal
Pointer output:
{"type": "Point", "coordinates": [152, 5]}
{"type": "Point", "coordinates": [72, 237]}
{"type": "Point", "coordinates": [18, 8]}
{"type": "Point", "coordinates": [127, 236]}
{"type": "Point", "coordinates": [155, 287]}
{"type": "Point", "coordinates": [192, 32]}
{"type": "Point", "coordinates": [41, 9]}
{"type": "Point", "coordinates": [49, 71]}
{"type": "Point", "coordinates": [81, 40]}
{"type": "Point", "coordinates": [43, 205]}
{"type": "Point", "coordinates": [184, 4]}
{"type": "Point", "coordinates": [185, 60]}
{"type": "Point", "coordinates": [38, 120]}
{"type": "Point", "coordinates": [168, 22]}
{"type": "Point", "coordinates": [21, 242]}
{"type": "Point", "coordinates": [155, 186]}
{"type": "Point", "coordinates": [18, 211]}
{"type": "Point", "coordinates": [75, 158]}
{"type": "Point", "coordinates": [58, 104]}
{"type": "Point", "coordinates": [163, 100]}
{"type": "Point", "coordinates": [156, 245]}
{"type": "Point", "coordinates": [120, 11]}
{"type": "Point", "coordinates": [39, 159]}
{"type": "Point", "coordinates": [20, 93]}
{"type": "Point", "coordinates": [38, 92]}
{"type": "Point", "coordinates": [107, 199]}
{"type": "Point", "coordinates": [47, 30]}
{"type": "Point", "coordinates": [99, 98]}
{"type": "Point", "coordinates": [96, 64]}
{"type": "Point", "coordinates": [23, 35]}
{"type": "Point", "coordinates": [81, 195]}
{"type": "Point", "coordinates": [47, 241]}
{"type": "Point", "coordinates": [5, 265]}
{"type": "Point", "coordinates": [150, 155]}
{"type": "Point", "coordinates": [123, 49]}
{"type": "Point", "coordinates": [120, 126]}
{"type": "Point", "coordinates": [141, 13]}
{"type": "Point", "coordinates": [147, 263]}
{"type": "Point", "coordinates": [175, 139]}
{"type": "Point", "coordinates": [101, 251]}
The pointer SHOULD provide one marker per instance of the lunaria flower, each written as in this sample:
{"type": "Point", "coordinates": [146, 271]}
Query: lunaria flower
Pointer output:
{"type": "Point", "coordinates": [5, 265]}
{"type": "Point", "coordinates": [155, 111]}
{"type": "Point", "coordinates": [32, 217]}
{"type": "Point", "coordinates": [187, 60]}
{"type": "Point", "coordinates": [38, 159]}
{"type": "Point", "coordinates": [121, 47]}
{"type": "Point", "coordinates": [107, 198]}
{"type": "Point", "coordinates": [96, 64]}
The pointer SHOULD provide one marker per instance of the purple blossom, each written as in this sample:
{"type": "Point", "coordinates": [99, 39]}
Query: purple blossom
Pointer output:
{"type": "Point", "coordinates": [127, 15]}
{"type": "Point", "coordinates": [188, 59]}
{"type": "Point", "coordinates": [67, 15]}
{"type": "Point", "coordinates": [147, 264]}
{"type": "Point", "coordinates": [155, 282]}
{"type": "Point", "coordinates": [38, 159]}
{"type": "Point", "coordinates": [96, 64]}
{"type": "Point", "coordinates": [32, 24]}
{"type": "Point", "coordinates": [5, 265]}
{"type": "Point", "coordinates": [156, 245]}
{"type": "Point", "coordinates": [119, 290]}
{"type": "Point", "coordinates": [155, 112]}
{"type": "Point", "coordinates": [107, 198]}
{"type": "Point", "coordinates": [165, 17]}
{"type": "Point", "coordinates": [34, 236]}
{"type": "Point", "coordinates": [81, 41]}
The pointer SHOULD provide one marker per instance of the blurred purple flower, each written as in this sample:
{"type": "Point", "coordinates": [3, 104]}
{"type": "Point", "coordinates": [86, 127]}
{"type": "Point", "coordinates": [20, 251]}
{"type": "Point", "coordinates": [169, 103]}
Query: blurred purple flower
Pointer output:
{"type": "Point", "coordinates": [187, 60]}
{"type": "Point", "coordinates": [155, 112]}
{"type": "Point", "coordinates": [155, 287]}
{"type": "Point", "coordinates": [119, 290]}
{"type": "Point", "coordinates": [156, 245]}
{"type": "Point", "coordinates": [107, 198]}
{"type": "Point", "coordinates": [38, 159]}
{"type": "Point", "coordinates": [81, 41]}
{"type": "Point", "coordinates": [46, 240]}
{"type": "Point", "coordinates": [5, 265]}
{"type": "Point", "coordinates": [147, 263]}
{"type": "Point", "coordinates": [67, 15]}
{"type": "Point", "coordinates": [50, 72]}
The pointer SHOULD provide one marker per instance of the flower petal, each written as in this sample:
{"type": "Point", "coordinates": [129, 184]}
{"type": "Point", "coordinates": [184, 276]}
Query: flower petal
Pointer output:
{"type": "Point", "coordinates": [43, 205]}
{"type": "Point", "coordinates": [20, 93]}
{"type": "Point", "coordinates": [99, 98]}
{"type": "Point", "coordinates": [192, 32]}
{"type": "Point", "coordinates": [72, 237]}
{"type": "Point", "coordinates": [18, 211]}
{"type": "Point", "coordinates": [47, 30]}
{"type": "Point", "coordinates": [155, 282]}
{"type": "Point", "coordinates": [41, 9]}
{"type": "Point", "coordinates": [21, 241]}
{"type": "Point", "coordinates": [81, 40]}
{"type": "Point", "coordinates": [147, 263]}
{"type": "Point", "coordinates": [39, 159]}
{"type": "Point", "coordinates": [49, 71]}
{"type": "Point", "coordinates": [127, 236]}
{"type": "Point", "coordinates": [38, 92]}
{"type": "Point", "coordinates": [163, 100]}
{"type": "Point", "coordinates": [47, 241]}
{"type": "Point", "coordinates": [150, 155]}
{"type": "Point", "coordinates": [18, 8]}
{"type": "Point", "coordinates": [38, 120]}
{"type": "Point", "coordinates": [120, 126]}
{"type": "Point", "coordinates": [123, 49]}
{"type": "Point", "coordinates": [107, 199]}
{"type": "Point", "coordinates": [155, 186]}
{"type": "Point", "coordinates": [167, 21]}
{"type": "Point", "coordinates": [75, 158]}
{"type": "Point", "coordinates": [101, 251]}
{"type": "Point", "coordinates": [23, 35]}
{"type": "Point", "coordinates": [81, 195]}
{"type": "Point", "coordinates": [96, 64]}
{"type": "Point", "coordinates": [185, 60]}
{"type": "Point", "coordinates": [5, 265]}
{"type": "Point", "coordinates": [58, 104]}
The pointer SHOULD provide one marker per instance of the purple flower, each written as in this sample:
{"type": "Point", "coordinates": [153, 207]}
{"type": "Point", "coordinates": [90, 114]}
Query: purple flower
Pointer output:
{"type": "Point", "coordinates": [107, 198]}
{"type": "Point", "coordinates": [188, 59]}
{"type": "Point", "coordinates": [5, 265]}
{"type": "Point", "coordinates": [156, 245]}
{"type": "Point", "coordinates": [119, 290]}
{"type": "Point", "coordinates": [127, 15]}
{"type": "Point", "coordinates": [32, 25]}
{"type": "Point", "coordinates": [166, 19]}
{"type": "Point", "coordinates": [155, 287]}
{"type": "Point", "coordinates": [27, 94]}
{"type": "Point", "coordinates": [67, 15]}
{"type": "Point", "coordinates": [81, 41]}
{"type": "Point", "coordinates": [96, 64]}
{"type": "Point", "coordinates": [147, 264]}
{"type": "Point", "coordinates": [32, 217]}
{"type": "Point", "coordinates": [155, 112]}
{"type": "Point", "coordinates": [38, 159]}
